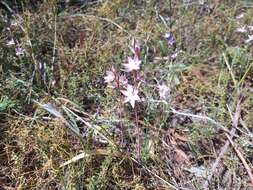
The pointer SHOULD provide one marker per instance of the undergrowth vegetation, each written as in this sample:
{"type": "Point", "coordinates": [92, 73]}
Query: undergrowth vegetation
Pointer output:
{"type": "Point", "coordinates": [116, 94]}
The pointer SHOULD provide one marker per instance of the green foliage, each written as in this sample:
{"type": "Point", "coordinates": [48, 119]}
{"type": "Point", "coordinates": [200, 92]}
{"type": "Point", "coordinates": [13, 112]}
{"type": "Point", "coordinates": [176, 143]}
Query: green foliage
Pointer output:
{"type": "Point", "coordinates": [69, 46]}
{"type": "Point", "coordinates": [6, 104]}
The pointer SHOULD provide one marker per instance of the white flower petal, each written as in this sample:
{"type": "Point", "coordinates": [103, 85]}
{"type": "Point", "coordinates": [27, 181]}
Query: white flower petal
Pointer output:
{"type": "Point", "coordinates": [10, 42]}
{"type": "Point", "coordinates": [132, 64]}
{"type": "Point", "coordinates": [131, 95]}
{"type": "Point", "coordinates": [109, 77]}
{"type": "Point", "coordinates": [241, 29]}
{"type": "Point", "coordinates": [250, 38]}
{"type": "Point", "coordinates": [240, 16]}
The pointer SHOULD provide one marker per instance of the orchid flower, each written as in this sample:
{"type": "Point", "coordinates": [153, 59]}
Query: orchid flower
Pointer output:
{"type": "Point", "coordinates": [131, 95]}
{"type": "Point", "coordinates": [175, 54]}
{"type": "Point", "coordinates": [132, 64]}
{"type": "Point", "coordinates": [109, 77]}
{"type": "Point", "coordinates": [20, 51]}
{"type": "Point", "coordinates": [170, 38]}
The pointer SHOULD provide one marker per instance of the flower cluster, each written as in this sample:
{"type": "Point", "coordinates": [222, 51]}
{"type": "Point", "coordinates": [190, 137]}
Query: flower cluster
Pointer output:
{"type": "Point", "coordinates": [19, 51]}
{"type": "Point", "coordinates": [115, 80]}
{"type": "Point", "coordinates": [120, 82]}
{"type": "Point", "coordinates": [244, 29]}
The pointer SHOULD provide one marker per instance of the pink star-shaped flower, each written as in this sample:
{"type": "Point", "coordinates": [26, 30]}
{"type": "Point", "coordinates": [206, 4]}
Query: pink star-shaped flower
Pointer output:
{"type": "Point", "coordinates": [109, 77]}
{"type": "Point", "coordinates": [132, 64]}
{"type": "Point", "coordinates": [131, 95]}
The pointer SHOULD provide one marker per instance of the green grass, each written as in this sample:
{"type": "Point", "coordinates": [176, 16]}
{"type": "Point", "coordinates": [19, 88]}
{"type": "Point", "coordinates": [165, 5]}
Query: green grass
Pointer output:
{"type": "Point", "coordinates": [67, 53]}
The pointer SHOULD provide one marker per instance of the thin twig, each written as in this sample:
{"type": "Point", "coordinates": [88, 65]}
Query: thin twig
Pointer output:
{"type": "Point", "coordinates": [7, 6]}
{"type": "Point", "coordinates": [224, 149]}
{"type": "Point", "coordinates": [154, 174]}
{"type": "Point", "coordinates": [55, 39]}
{"type": "Point", "coordinates": [98, 18]}
{"type": "Point", "coordinates": [244, 162]}
{"type": "Point", "coordinates": [202, 118]}
{"type": "Point", "coordinates": [216, 163]}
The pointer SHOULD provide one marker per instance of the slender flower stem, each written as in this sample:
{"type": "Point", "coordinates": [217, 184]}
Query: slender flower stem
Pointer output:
{"type": "Point", "coordinates": [120, 123]}
{"type": "Point", "coordinates": [136, 123]}
{"type": "Point", "coordinates": [138, 134]}
{"type": "Point", "coordinates": [120, 107]}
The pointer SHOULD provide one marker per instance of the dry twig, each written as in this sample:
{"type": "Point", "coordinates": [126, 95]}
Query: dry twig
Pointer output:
{"type": "Point", "coordinates": [224, 149]}
{"type": "Point", "coordinates": [244, 162]}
